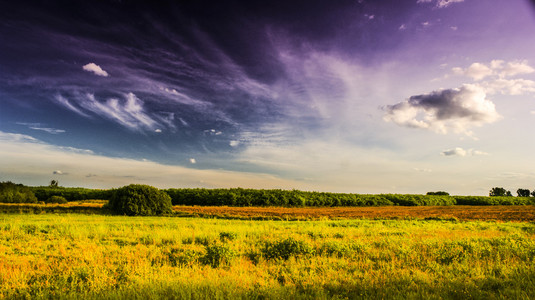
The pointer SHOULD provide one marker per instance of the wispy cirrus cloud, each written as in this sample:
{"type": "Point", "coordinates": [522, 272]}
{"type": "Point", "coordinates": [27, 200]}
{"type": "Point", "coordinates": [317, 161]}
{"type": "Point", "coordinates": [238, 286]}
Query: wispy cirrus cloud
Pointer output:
{"type": "Point", "coordinates": [128, 111]}
{"type": "Point", "coordinates": [31, 161]}
{"type": "Point", "coordinates": [41, 127]}
{"type": "Point", "coordinates": [440, 3]}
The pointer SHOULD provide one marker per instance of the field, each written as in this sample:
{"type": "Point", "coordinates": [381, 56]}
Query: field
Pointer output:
{"type": "Point", "coordinates": [463, 212]}
{"type": "Point", "coordinates": [99, 256]}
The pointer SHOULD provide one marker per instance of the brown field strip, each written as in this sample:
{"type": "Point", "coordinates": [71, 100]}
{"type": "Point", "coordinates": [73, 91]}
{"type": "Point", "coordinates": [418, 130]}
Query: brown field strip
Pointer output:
{"type": "Point", "coordinates": [486, 213]}
{"type": "Point", "coordinates": [519, 213]}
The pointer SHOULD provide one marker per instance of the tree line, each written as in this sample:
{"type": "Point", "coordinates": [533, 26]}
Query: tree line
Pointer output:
{"type": "Point", "coordinates": [18, 193]}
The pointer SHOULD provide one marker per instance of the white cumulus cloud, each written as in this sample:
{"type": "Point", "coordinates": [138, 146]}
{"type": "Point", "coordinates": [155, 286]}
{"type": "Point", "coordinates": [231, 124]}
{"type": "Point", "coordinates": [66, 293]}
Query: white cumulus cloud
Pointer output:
{"type": "Point", "coordinates": [444, 110]}
{"type": "Point", "coordinates": [95, 69]}
{"type": "Point", "coordinates": [497, 68]}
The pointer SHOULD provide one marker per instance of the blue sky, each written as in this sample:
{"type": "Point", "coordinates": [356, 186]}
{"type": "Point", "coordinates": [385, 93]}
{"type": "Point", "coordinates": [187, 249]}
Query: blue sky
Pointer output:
{"type": "Point", "coordinates": [346, 96]}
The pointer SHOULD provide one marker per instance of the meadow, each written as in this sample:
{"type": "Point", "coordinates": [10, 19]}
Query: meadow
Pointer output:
{"type": "Point", "coordinates": [116, 257]}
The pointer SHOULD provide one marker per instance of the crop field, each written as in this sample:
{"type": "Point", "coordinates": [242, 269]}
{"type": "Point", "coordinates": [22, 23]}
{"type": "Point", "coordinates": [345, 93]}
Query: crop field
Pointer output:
{"type": "Point", "coordinates": [462, 212]}
{"type": "Point", "coordinates": [116, 257]}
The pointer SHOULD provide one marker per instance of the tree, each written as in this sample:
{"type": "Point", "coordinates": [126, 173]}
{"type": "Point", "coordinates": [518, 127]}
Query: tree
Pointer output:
{"type": "Point", "coordinates": [139, 200]}
{"type": "Point", "coordinates": [533, 193]}
{"type": "Point", "coordinates": [522, 192]}
{"type": "Point", "coordinates": [499, 192]}
{"type": "Point", "coordinates": [16, 193]}
{"type": "Point", "coordinates": [54, 183]}
{"type": "Point", "coordinates": [439, 193]}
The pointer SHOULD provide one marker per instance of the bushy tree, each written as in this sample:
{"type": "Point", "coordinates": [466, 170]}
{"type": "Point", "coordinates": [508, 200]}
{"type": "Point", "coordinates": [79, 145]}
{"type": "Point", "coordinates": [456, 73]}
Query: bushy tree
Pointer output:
{"type": "Point", "coordinates": [16, 193]}
{"type": "Point", "coordinates": [499, 192]}
{"type": "Point", "coordinates": [139, 200]}
{"type": "Point", "coordinates": [439, 193]}
{"type": "Point", "coordinates": [522, 193]}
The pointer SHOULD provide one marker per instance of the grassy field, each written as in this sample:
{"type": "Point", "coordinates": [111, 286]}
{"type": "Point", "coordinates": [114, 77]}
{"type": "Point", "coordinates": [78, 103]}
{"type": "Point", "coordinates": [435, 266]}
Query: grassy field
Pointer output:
{"type": "Point", "coordinates": [98, 256]}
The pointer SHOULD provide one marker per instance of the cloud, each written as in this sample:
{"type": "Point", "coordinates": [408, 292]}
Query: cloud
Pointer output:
{"type": "Point", "coordinates": [496, 68]}
{"type": "Point", "coordinates": [234, 143]}
{"type": "Point", "coordinates": [192, 161]}
{"type": "Point", "coordinates": [510, 86]}
{"type": "Point", "coordinates": [444, 110]}
{"type": "Point", "coordinates": [58, 172]}
{"type": "Point", "coordinates": [476, 71]}
{"type": "Point", "coordinates": [38, 126]}
{"type": "Point", "coordinates": [402, 27]}
{"type": "Point", "coordinates": [96, 69]}
{"type": "Point", "coordinates": [440, 3]}
{"type": "Point", "coordinates": [130, 112]}
{"type": "Point", "coordinates": [29, 160]}
{"type": "Point", "coordinates": [446, 3]}
{"type": "Point", "coordinates": [497, 75]}
{"type": "Point", "coordinates": [158, 130]}
{"type": "Point", "coordinates": [454, 152]}
{"type": "Point", "coordinates": [516, 67]}
{"type": "Point", "coordinates": [461, 152]}
{"type": "Point", "coordinates": [66, 103]}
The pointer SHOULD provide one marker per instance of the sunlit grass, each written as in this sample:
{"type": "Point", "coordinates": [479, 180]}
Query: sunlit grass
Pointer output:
{"type": "Point", "coordinates": [94, 256]}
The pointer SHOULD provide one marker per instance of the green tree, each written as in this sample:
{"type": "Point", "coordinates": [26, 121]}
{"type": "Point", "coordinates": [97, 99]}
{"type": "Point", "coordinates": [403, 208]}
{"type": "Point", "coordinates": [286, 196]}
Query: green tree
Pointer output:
{"type": "Point", "coordinates": [439, 193]}
{"type": "Point", "coordinates": [499, 192]}
{"type": "Point", "coordinates": [522, 192]}
{"type": "Point", "coordinates": [139, 200]}
{"type": "Point", "coordinates": [16, 193]}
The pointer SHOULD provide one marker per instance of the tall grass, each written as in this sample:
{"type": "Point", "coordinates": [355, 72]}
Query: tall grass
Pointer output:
{"type": "Point", "coordinates": [73, 256]}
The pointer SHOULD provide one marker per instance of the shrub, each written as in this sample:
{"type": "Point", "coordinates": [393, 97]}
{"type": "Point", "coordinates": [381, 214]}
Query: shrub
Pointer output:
{"type": "Point", "coordinates": [139, 200]}
{"type": "Point", "coordinates": [56, 199]}
{"type": "Point", "coordinates": [217, 254]}
{"type": "Point", "coordinates": [227, 236]}
{"type": "Point", "coordinates": [286, 248]}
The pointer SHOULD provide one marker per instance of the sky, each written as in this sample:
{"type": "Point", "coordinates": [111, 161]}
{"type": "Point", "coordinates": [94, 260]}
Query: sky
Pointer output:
{"type": "Point", "coordinates": [360, 96]}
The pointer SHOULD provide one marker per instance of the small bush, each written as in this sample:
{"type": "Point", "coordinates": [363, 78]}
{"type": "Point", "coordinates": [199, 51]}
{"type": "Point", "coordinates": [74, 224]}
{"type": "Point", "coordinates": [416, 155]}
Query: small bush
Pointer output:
{"type": "Point", "coordinates": [56, 199]}
{"type": "Point", "coordinates": [139, 200]}
{"type": "Point", "coordinates": [335, 249]}
{"type": "Point", "coordinates": [227, 236]}
{"type": "Point", "coordinates": [286, 248]}
{"type": "Point", "coordinates": [216, 255]}
{"type": "Point", "coordinates": [182, 257]}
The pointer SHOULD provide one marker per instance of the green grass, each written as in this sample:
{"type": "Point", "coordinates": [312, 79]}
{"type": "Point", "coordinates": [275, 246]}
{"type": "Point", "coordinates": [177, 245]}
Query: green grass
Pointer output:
{"type": "Point", "coordinates": [111, 257]}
